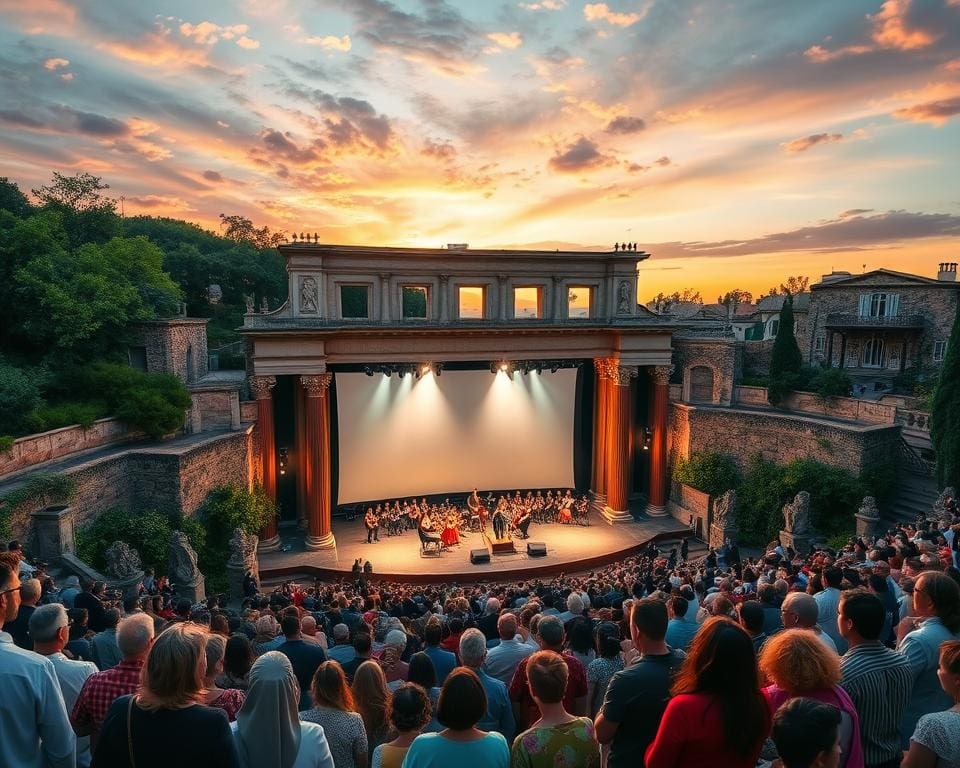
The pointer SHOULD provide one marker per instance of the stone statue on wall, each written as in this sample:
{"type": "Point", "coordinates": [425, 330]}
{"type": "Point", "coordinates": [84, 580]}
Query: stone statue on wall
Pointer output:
{"type": "Point", "coordinates": [243, 549]}
{"type": "Point", "coordinates": [248, 300]}
{"type": "Point", "coordinates": [796, 514]}
{"type": "Point", "coordinates": [264, 306]}
{"type": "Point", "coordinates": [725, 510]}
{"type": "Point", "coordinates": [868, 516]}
{"type": "Point", "coordinates": [623, 298]}
{"type": "Point", "coordinates": [945, 505]}
{"type": "Point", "coordinates": [182, 561]}
{"type": "Point", "coordinates": [308, 295]}
{"type": "Point", "coordinates": [123, 562]}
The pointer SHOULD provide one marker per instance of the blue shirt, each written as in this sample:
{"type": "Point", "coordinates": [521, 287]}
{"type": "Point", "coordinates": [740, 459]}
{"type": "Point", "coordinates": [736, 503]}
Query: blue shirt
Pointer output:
{"type": "Point", "coordinates": [922, 649]}
{"type": "Point", "coordinates": [304, 658]}
{"type": "Point", "coordinates": [444, 662]}
{"type": "Point", "coordinates": [680, 633]}
{"type": "Point", "coordinates": [431, 750]}
{"type": "Point", "coordinates": [499, 714]}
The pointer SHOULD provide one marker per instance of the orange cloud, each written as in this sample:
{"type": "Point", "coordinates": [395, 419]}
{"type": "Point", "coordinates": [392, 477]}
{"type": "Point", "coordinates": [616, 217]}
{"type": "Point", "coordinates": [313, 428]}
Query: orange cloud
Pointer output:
{"type": "Point", "coordinates": [936, 112]}
{"type": "Point", "coordinates": [52, 64]}
{"type": "Point", "coordinates": [331, 42]}
{"type": "Point", "coordinates": [509, 40]}
{"type": "Point", "coordinates": [602, 12]}
{"type": "Point", "coordinates": [805, 143]}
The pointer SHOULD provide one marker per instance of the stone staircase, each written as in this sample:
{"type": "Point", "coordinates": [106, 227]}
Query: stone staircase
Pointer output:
{"type": "Point", "coordinates": [916, 493]}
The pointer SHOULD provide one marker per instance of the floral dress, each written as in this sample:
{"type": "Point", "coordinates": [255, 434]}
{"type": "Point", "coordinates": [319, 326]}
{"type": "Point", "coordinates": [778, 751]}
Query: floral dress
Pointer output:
{"type": "Point", "coordinates": [571, 745]}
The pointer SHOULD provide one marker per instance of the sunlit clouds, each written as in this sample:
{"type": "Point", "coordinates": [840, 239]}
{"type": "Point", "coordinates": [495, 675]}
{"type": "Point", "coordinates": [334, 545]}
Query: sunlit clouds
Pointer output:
{"type": "Point", "coordinates": [732, 141]}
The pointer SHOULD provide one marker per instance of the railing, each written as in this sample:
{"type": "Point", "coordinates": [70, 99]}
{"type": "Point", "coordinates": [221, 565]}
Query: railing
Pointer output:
{"type": "Point", "coordinates": [914, 420]}
{"type": "Point", "coordinates": [912, 458]}
{"type": "Point", "coordinates": [843, 320]}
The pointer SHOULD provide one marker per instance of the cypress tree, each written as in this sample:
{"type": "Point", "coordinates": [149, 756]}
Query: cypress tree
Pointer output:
{"type": "Point", "coordinates": [785, 358]}
{"type": "Point", "coordinates": [945, 418]}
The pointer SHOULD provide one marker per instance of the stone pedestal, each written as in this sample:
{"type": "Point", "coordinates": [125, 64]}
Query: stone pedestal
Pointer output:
{"type": "Point", "coordinates": [129, 587]}
{"type": "Point", "coordinates": [867, 525]}
{"type": "Point", "coordinates": [613, 517]}
{"type": "Point", "coordinates": [194, 592]}
{"type": "Point", "coordinates": [799, 541]}
{"type": "Point", "coordinates": [53, 533]}
{"type": "Point", "coordinates": [235, 575]}
{"type": "Point", "coordinates": [718, 536]}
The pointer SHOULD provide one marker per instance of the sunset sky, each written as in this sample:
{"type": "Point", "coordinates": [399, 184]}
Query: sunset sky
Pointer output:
{"type": "Point", "coordinates": [738, 142]}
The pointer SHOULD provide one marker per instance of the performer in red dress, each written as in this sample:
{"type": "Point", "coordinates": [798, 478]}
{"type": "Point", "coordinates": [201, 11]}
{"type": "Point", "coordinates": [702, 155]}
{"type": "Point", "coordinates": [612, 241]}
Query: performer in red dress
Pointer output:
{"type": "Point", "coordinates": [450, 535]}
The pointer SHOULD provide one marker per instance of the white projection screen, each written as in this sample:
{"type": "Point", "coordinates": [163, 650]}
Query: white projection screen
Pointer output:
{"type": "Point", "coordinates": [401, 437]}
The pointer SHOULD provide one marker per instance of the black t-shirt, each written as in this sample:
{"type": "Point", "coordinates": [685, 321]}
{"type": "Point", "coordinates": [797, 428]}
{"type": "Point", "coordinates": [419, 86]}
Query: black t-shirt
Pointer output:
{"type": "Point", "coordinates": [204, 732]}
{"type": "Point", "coordinates": [636, 699]}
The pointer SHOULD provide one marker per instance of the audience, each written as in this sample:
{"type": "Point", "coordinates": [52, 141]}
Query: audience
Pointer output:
{"type": "Point", "coordinates": [103, 645]}
{"type": "Point", "coordinates": [800, 611]}
{"type": "Point", "coordinates": [304, 657]}
{"type": "Point", "coordinates": [410, 711]}
{"type": "Point", "coordinates": [333, 708]}
{"type": "Point", "coordinates": [268, 730]}
{"type": "Point", "coordinates": [238, 657]}
{"type": "Point", "coordinates": [19, 628]}
{"type": "Point", "coordinates": [502, 659]}
{"type": "Point", "coordinates": [499, 714]}
{"type": "Point", "coordinates": [228, 699]}
{"type": "Point", "coordinates": [601, 670]}
{"type": "Point", "coordinates": [372, 699]}
{"type": "Point", "coordinates": [807, 734]}
{"type": "Point", "coordinates": [935, 742]}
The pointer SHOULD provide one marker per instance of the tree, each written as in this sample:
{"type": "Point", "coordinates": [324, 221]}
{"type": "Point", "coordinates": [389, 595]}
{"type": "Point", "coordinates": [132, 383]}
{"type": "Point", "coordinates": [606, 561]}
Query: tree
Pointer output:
{"type": "Point", "coordinates": [663, 301]}
{"type": "Point", "coordinates": [241, 230]}
{"type": "Point", "coordinates": [945, 416]}
{"type": "Point", "coordinates": [785, 358]}
{"type": "Point", "coordinates": [12, 199]}
{"type": "Point", "coordinates": [792, 286]}
{"type": "Point", "coordinates": [88, 214]}
{"type": "Point", "coordinates": [736, 296]}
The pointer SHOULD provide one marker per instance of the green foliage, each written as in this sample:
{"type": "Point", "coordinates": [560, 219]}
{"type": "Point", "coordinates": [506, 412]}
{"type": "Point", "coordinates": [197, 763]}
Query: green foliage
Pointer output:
{"type": "Point", "coordinates": [50, 417]}
{"type": "Point", "coordinates": [12, 199]}
{"type": "Point", "coordinates": [88, 215]}
{"type": "Point", "coordinates": [880, 481]}
{"type": "Point", "coordinates": [709, 472]}
{"type": "Point", "coordinates": [835, 494]}
{"type": "Point", "coordinates": [830, 382]}
{"type": "Point", "coordinates": [19, 395]}
{"type": "Point", "coordinates": [38, 490]}
{"type": "Point", "coordinates": [242, 230]}
{"type": "Point", "coordinates": [226, 508]}
{"type": "Point", "coordinates": [760, 499]}
{"type": "Point", "coordinates": [786, 361]}
{"type": "Point", "coordinates": [945, 414]}
{"type": "Point", "coordinates": [147, 532]}
{"type": "Point", "coordinates": [6, 443]}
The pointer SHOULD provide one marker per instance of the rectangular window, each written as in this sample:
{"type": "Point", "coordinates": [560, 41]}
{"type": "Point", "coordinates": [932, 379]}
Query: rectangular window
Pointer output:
{"type": "Point", "coordinates": [354, 302]}
{"type": "Point", "coordinates": [528, 302]}
{"type": "Point", "coordinates": [818, 344]}
{"type": "Point", "coordinates": [472, 300]}
{"type": "Point", "coordinates": [579, 301]}
{"type": "Point", "coordinates": [939, 350]}
{"type": "Point", "coordinates": [879, 304]}
{"type": "Point", "coordinates": [414, 300]}
{"type": "Point", "coordinates": [137, 357]}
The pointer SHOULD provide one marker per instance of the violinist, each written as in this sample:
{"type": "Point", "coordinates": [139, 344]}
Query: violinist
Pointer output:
{"type": "Point", "coordinates": [372, 522]}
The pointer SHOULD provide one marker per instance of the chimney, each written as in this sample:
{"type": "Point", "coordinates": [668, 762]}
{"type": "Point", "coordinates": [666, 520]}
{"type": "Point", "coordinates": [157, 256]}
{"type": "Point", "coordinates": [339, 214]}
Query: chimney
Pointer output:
{"type": "Point", "coordinates": [947, 272]}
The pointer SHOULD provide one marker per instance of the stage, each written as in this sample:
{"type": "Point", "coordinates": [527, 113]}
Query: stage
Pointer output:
{"type": "Point", "coordinates": [570, 548]}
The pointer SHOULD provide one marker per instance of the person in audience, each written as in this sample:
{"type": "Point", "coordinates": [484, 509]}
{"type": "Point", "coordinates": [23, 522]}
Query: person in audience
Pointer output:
{"type": "Point", "coordinates": [750, 615]}
{"type": "Point", "coordinates": [502, 659]}
{"type": "Point", "coordinates": [334, 710]}
{"type": "Point", "coordinates": [410, 711]}
{"type": "Point", "coordinates": [579, 633]}
{"type": "Point", "coordinates": [601, 670]}
{"type": "Point", "coordinates": [138, 726]}
{"type": "Point", "coordinates": [770, 600]}
{"type": "Point", "coordinates": [935, 742]}
{"type": "Point", "coordinates": [91, 598]}
{"type": "Point", "coordinates": [238, 657]}
{"type": "Point", "coordinates": [798, 663]}
{"type": "Point", "coordinates": [79, 646]}
{"type": "Point", "coordinates": [487, 623]}
{"type": "Point", "coordinates": [499, 714]}
{"type": "Point", "coordinates": [342, 649]}
{"type": "Point", "coordinates": [877, 679]}
{"type": "Point", "coordinates": [557, 737]}
{"type": "Point", "coordinates": [34, 729]}
{"type": "Point", "coordinates": [134, 638]}
{"type": "Point", "coordinates": [309, 632]}
{"type": "Point", "coordinates": [462, 703]}
{"type": "Point", "coordinates": [828, 605]}
{"type": "Point", "coordinates": [106, 652]}
{"type": "Point", "coordinates": [637, 697]}
{"type": "Point", "coordinates": [19, 628]}
{"type": "Point", "coordinates": [304, 657]}
{"type": "Point", "coordinates": [717, 714]}
{"type": "Point", "coordinates": [268, 731]}
{"type": "Point", "coordinates": [807, 734]}
{"type": "Point", "coordinates": [71, 589]}
{"type": "Point", "coordinates": [799, 611]}
{"type": "Point", "coordinates": [443, 661]}
{"type": "Point", "coordinates": [362, 651]}
{"type": "Point", "coordinates": [393, 667]}
{"type": "Point", "coordinates": [267, 637]}
{"type": "Point", "coordinates": [935, 620]}
{"type": "Point", "coordinates": [372, 700]}
{"type": "Point", "coordinates": [423, 673]}
{"type": "Point", "coordinates": [228, 699]}
{"type": "Point", "coordinates": [680, 632]}
{"type": "Point", "coordinates": [49, 628]}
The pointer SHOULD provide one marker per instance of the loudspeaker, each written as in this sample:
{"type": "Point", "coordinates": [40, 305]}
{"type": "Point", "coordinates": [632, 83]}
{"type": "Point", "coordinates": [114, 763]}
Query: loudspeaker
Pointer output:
{"type": "Point", "coordinates": [478, 556]}
{"type": "Point", "coordinates": [536, 549]}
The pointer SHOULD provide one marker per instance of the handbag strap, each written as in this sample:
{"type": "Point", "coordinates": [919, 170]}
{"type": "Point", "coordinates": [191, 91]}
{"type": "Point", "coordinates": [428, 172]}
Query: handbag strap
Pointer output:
{"type": "Point", "coordinates": [130, 733]}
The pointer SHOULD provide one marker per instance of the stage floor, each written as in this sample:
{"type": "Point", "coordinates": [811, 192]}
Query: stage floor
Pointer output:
{"type": "Point", "coordinates": [570, 548]}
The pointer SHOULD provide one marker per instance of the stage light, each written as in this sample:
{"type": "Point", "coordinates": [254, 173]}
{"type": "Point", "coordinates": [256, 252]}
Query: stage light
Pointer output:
{"type": "Point", "coordinates": [647, 438]}
{"type": "Point", "coordinates": [504, 367]}
{"type": "Point", "coordinates": [283, 461]}
{"type": "Point", "coordinates": [368, 370]}
{"type": "Point", "coordinates": [425, 369]}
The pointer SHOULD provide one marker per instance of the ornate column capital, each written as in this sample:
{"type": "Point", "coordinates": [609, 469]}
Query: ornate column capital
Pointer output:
{"type": "Point", "coordinates": [661, 373]}
{"type": "Point", "coordinates": [603, 366]}
{"type": "Point", "coordinates": [620, 375]}
{"type": "Point", "coordinates": [444, 278]}
{"type": "Point", "coordinates": [502, 279]}
{"type": "Point", "coordinates": [260, 386]}
{"type": "Point", "coordinates": [384, 276]}
{"type": "Point", "coordinates": [316, 385]}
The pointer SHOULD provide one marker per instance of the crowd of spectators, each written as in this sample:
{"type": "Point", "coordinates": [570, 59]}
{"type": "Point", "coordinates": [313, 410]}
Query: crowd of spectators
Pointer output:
{"type": "Point", "coordinates": [837, 659]}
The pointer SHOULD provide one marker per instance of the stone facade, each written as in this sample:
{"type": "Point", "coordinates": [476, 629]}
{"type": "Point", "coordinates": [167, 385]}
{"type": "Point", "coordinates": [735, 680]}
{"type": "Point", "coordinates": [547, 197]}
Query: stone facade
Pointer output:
{"type": "Point", "coordinates": [910, 326]}
{"type": "Point", "coordinates": [756, 357]}
{"type": "Point", "coordinates": [177, 346]}
{"type": "Point", "coordinates": [707, 368]}
{"type": "Point", "coordinates": [779, 437]}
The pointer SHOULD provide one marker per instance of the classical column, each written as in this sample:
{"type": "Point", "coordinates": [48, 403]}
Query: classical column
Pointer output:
{"type": "Point", "coordinates": [261, 387]}
{"type": "Point", "coordinates": [657, 501]}
{"type": "Point", "coordinates": [317, 464]}
{"type": "Point", "coordinates": [300, 442]}
{"type": "Point", "coordinates": [502, 313]}
{"type": "Point", "coordinates": [443, 300]}
{"type": "Point", "coordinates": [600, 428]}
{"type": "Point", "coordinates": [618, 442]}
{"type": "Point", "coordinates": [385, 314]}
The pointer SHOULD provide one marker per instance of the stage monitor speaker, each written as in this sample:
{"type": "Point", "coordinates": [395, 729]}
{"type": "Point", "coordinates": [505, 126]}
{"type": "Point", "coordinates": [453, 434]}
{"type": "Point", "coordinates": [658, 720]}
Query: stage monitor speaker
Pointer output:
{"type": "Point", "coordinates": [478, 556]}
{"type": "Point", "coordinates": [536, 549]}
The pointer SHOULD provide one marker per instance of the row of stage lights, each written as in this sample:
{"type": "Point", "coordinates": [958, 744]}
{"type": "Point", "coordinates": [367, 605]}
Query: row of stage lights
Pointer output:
{"type": "Point", "coordinates": [497, 366]}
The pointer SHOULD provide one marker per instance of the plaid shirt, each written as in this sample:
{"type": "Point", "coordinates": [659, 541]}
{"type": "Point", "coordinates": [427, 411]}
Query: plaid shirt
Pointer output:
{"type": "Point", "coordinates": [101, 690]}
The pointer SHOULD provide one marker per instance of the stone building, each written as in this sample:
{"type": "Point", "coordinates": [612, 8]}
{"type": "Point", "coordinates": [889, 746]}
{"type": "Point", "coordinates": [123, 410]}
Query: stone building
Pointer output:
{"type": "Point", "coordinates": [881, 323]}
{"type": "Point", "coordinates": [176, 345]}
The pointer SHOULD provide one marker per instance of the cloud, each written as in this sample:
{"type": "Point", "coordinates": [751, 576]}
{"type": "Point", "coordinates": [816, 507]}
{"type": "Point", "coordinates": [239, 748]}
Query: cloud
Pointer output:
{"type": "Point", "coordinates": [441, 150]}
{"type": "Point", "coordinates": [936, 112]}
{"type": "Point", "coordinates": [208, 33]}
{"type": "Point", "coordinates": [331, 42]}
{"type": "Point", "coordinates": [545, 5]}
{"type": "Point", "coordinates": [508, 40]}
{"type": "Point", "coordinates": [851, 231]}
{"type": "Point", "coordinates": [348, 119]}
{"type": "Point", "coordinates": [663, 162]}
{"type": "Point", "coordinates": [806, 142]}
{"type": "Point", "coordinates": [54, 64]}
{"type": "Point", "coordinates": [581, 155]}
{"type": "Point", "coordinates": [624, 124]}
{"type": "Point", "coordinates": [212, 176]}
{"type": "Point", "coordinates": [159, 201]}
{"type": "Point", "coordinates": [602, 12]}
{"type": "Point", "coordinates": [280, 145]}
{"type": "Point", "coordinates": [248, 43]}
{"type": "Point", "coordinates": [854, 212]}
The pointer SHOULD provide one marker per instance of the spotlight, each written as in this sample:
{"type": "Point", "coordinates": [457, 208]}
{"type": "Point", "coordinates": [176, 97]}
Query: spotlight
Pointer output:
{"type": "Point", "coordinates": [425, 368]}
{"type": "Point", "coordinates": [368, 370]}
{"type": "Point", "coordinates": [283, 461]}
{"type": "Point", "coordinates": [504, 366]}
{"type": "Point", "coordinates": [647, 438]}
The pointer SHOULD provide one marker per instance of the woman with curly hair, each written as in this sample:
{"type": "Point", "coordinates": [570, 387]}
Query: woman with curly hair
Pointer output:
{"type": "Point", "coordinates": [410, 711]}
{"type": "Point", "coordinates": [797, 663]}
{"type": "Point", "coordinates": [717, 715]}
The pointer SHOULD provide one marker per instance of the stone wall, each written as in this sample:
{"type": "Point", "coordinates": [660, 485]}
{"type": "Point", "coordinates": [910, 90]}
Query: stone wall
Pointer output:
{"type": "Point", "coordinates": [846, 408]}
{"type": "Point", "coordinates": [756, 357]}
{"type": "Point", "coordinates": [780, 437]}
{"type": "Point", "coordinates": [720, 356]}
{"type": "Point", "coordinates": [214, 408]}
{"type": "Point", "coordinates": [177, 346]}
{"type": "Point", "coordinates": [36, 449]}
{"type": "Point", "coordinates": [686, 503]}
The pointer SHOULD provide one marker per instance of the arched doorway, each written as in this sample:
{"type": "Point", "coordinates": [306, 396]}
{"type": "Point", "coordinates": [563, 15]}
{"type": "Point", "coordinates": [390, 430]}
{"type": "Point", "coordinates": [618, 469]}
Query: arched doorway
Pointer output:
{"type": "Point", "coordinates": [701, 384]}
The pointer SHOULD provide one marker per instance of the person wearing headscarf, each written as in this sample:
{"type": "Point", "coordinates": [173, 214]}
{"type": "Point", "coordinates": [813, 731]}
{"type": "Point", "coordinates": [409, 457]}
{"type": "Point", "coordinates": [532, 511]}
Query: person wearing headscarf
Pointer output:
{"type": "Point", "coordinates": [268, 731]}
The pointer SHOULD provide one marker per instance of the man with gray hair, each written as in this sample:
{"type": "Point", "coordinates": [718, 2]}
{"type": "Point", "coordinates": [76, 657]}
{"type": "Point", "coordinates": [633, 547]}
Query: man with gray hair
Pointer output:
{"type": "Point", "coordinates": [342, 649]}
{"type": "Point", "coordinates": [134, 639]}
{"type": "Point", "coordinates": [502, 660]}
{"type": "Point", "coordinates": [499, 714]}
{"type": "Point", "coordinates": [50, 630]}
{"type": "Point", "coordinates": [488, 622]}
{"type": "Point", "coordinates": [19, 628]}
{"type": "Point", "coordinates": [800, 611]}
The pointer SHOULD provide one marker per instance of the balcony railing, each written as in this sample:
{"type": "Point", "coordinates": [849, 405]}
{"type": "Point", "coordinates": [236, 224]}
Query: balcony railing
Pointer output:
{"type": "Point", "coordinates": [842, 320]}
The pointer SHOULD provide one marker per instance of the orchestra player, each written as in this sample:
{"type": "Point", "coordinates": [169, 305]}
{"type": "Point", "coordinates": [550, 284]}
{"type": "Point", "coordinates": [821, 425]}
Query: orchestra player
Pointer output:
{"type": "Point", "coordinates": [372, 522]}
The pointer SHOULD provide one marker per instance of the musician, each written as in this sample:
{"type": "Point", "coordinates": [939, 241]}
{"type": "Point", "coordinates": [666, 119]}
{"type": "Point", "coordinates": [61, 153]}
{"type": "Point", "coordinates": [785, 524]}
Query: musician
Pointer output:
{"type": "Point", "coordinates": [500, 519]}
{"type": "Point", "coordinates": [427, 531]}
{"type": "Point", "coordinates": [565, 511]}
{"type": "Point", "coordinates": [522, 524]}
{"type": "Point", "coordinates": [372, 521]}
{"type": "Point", "coordinates": [477, 509]}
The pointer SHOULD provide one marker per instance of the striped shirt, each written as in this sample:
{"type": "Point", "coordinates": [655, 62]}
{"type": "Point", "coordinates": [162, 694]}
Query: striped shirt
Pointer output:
{"type": "Point", "coordinates": [879, 682]}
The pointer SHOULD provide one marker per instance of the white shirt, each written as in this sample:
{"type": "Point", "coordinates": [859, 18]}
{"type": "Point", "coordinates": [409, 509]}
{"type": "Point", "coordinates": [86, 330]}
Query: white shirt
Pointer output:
{"type": "Point", "coordinates": [502, 660]}
{"type": "Point", "coordinates": [314, 750]}
{"type": "Point", "coordinates": [34, 729]}
{"type": "Point", "coordinates": [71, 676]}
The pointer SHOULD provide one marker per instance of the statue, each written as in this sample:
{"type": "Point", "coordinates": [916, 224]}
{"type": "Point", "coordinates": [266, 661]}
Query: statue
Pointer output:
{"type": "Point", "coordinates": [308, 295]}
{"type": "Point", "coordinates": [724, 519]}
{"type": "Point", "coordinates": [182, 568]}
{"type": "Point", "coordinates": [796, 515]}
{"type": "Point", "coordinates": [123, 562]}
{"type": "Point", "coordinates": [867, 517]}
{"type": "Point", "coordinates": [946, 504]}
{"type": "Point", "coordinates": [623, 298]}
{"type": "Point", "coordinates": [243, 549]}
{"type": "Point", "coordinates": [264, 307]}
{"type": "Point", "coordinates": [249, 302]}
{"type": "Point", "coordinates": [868, 507]}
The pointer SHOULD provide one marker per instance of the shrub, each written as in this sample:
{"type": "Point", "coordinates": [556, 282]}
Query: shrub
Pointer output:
{"type": "Point", "coordinates": [709, 472]}
{"type": "Point", "coordinates": [147, 532]}
{"type": "Point", "coordinates": [154, 403]}
{"type": "Point", "coordinates": [830, 382]}
{"type": "Point", "coordinates": [760, 499]}
{"type": "Point", "coordinates": [19, 395]}
{"type": "Point", "coordinates": [6, 443]}
{"type": "Point", "coordinates": [835, 494]}
{"type": "Point", "coordinates": [65, 415]}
